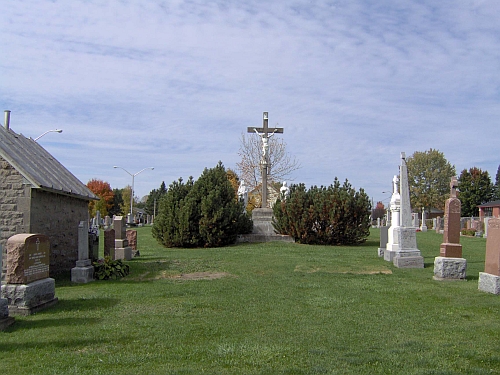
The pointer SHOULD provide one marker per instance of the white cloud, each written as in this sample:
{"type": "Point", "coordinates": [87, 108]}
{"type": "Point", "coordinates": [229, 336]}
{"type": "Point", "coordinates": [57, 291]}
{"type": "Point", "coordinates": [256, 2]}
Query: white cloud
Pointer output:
{"type": "Point", "coordinates": [174, 84]}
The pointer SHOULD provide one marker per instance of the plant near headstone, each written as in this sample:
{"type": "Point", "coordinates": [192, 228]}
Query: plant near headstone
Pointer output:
{"type": "Point", "coordinates": [106, 268]}
{"type": "Point", "coordinates": [333, 215]}
{"type": "Point", "coordinates": [204, 213]}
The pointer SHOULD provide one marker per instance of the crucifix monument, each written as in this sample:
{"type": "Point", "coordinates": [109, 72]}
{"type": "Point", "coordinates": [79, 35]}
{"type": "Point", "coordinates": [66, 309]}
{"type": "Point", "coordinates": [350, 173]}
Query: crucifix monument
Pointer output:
{"type": "Point", "coordinates": [264, 161]}
{"type": "Point", "coordinates": [263, 230]}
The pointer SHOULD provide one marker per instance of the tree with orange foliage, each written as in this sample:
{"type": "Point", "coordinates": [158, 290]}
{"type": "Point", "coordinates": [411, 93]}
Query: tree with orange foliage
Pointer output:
{"type": "Point", "coordinates": [378, 211]}
{"type": "Point", "coordinates": [103, 190]}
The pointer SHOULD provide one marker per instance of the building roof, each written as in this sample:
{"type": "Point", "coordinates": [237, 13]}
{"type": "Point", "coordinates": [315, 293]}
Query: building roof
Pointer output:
{"type": "Point", "coordinates": [490, 204]}
{"type": "Point", "coordinates": [39, 167]}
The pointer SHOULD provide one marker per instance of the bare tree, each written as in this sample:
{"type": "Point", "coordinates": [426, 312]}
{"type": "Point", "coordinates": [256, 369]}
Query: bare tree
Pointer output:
{"type": "Point", "coordinates": [281, 164]}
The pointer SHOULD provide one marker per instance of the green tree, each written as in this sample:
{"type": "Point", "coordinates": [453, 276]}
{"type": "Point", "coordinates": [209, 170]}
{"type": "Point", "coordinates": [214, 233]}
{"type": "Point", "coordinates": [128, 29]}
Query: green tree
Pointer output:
{"type": "Point", "coordinates": [429, 175]}
{"type": "Point", "coordinates": [334, 215]}
{"type": "Point", "coordinates": [168, 229]}
{"type": "Point", "coordinates": [475, 188]}
{"type": "Point", "coordinates": [125, 206]}
{"type": "Point", "coordinates": [117, 203]}
{"type": "Point", "coordinates": [204, 213]}
{"type": "Point", "coordinates": [154, 198]}
{"type": "Point", "coordinates": [497, 184]}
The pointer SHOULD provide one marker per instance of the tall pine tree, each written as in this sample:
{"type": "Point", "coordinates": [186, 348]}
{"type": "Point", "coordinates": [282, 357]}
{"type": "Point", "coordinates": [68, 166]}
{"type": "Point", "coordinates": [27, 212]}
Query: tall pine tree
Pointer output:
{"type": "Point", "coordinates": [475, 188]}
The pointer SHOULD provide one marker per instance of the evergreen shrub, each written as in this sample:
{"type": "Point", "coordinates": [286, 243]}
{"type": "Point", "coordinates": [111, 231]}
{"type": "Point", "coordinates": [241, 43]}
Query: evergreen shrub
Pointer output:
{"type": "Point", "coordinates": [205, 213]}
{"type": "Point", "coordinates": [333, 215]}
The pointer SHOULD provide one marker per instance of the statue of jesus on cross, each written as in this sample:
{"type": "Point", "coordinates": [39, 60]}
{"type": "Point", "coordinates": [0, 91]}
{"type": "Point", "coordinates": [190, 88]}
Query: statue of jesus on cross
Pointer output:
{"type": "Point", "coordinates": [264, 135]}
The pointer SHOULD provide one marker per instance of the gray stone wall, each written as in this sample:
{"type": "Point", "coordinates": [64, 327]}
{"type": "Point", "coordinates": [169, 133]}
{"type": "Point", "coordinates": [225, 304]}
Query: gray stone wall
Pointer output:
{"type": "Point", "coordinates": [12, 190]}
{"type": "Point", "coordinates": [12, 218]}
{"type": "Point", "coordinates": [27, 210]}
{"type": "Point", "coordinates": [58, 216]}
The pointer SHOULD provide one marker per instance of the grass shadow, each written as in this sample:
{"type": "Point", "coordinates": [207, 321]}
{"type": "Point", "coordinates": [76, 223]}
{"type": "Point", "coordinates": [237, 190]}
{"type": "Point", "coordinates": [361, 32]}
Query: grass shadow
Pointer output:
{"type": "Point", "coordinates": [46, 323]}
{"type": "Point", "coordinates": [85, 304]}
{"type": "Point", "coordinates": [56, 344]}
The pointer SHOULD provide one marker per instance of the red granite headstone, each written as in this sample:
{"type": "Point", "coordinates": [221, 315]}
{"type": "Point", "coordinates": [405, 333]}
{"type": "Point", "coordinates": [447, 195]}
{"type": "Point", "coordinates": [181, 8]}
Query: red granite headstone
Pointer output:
{"type": "Point", "coordinates": [492, 258]}
{"type": "Point", "coordinates": [28, 258]}
{"type": "Point", "coordinates": [451, 237]}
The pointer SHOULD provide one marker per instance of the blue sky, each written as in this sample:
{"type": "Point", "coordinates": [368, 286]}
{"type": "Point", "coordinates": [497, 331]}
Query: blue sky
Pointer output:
{"type": "Point", "coordinates": [173, 84]}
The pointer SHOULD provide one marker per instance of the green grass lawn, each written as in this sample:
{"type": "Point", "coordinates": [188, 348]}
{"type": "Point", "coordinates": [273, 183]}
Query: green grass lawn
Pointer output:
{"type": "Point", "coordinates": [265, 309]}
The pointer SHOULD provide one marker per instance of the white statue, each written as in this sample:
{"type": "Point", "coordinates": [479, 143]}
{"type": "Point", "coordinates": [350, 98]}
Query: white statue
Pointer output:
{"type": "Point", "coordinates": [265, 143]}
{"type": "Point", "coordinates": [284, 191]}
{"type": "Point", "coordinates": [243, 193]}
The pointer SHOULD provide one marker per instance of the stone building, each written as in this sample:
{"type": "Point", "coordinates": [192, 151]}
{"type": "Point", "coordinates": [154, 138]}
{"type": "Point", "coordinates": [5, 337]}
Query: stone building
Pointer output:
{"type": "Point", "coordinates": [39, 195]}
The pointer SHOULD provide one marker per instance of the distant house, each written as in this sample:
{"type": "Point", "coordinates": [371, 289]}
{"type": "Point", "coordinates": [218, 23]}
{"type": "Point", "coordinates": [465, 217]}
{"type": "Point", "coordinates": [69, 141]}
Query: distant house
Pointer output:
{"type": "Point", "coordinates": [39, 195]}
{"type": "Point", "coordinates": [490, 209]}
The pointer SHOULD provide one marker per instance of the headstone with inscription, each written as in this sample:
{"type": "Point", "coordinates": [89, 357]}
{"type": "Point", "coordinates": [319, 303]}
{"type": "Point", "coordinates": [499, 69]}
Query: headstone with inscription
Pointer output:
{"type": "Point", "coordinates": [109, 243]}
{"type": "Point", "coordinates": [485, 220]}
{"type": "Point", "coordinates": [438, 224]}
{"type": "Point", "coordinates": [29, 287]}
{"type": "Point", "coordinates": [415, 222]}
{"type": "Point", "coordinates": [107, 222]}
{"type": "Point", "coordinates": [98, 218]}
{"type": "Point", "coordinates": [489, 280]}
{"type": "Point", "coordinates": [122, 250]}
{"type": "Point", "coordinates": [407, 255]}
{"type": "Point", "coordinates": [450, 265]}
{"type": "Point", "coordinates": [132, 242]}
{"type": "Point", "coordinates": [384, 233]}
{"type": "Point", "coordinates": [84, 271]}
{"type": "Point", "coordinates": [423, 226]}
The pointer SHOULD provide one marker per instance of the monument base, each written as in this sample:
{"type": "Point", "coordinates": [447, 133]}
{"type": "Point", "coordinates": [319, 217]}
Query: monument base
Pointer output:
{"type": "Point", "coordinates": [450, 250]}
{"type": "Point", "coordinates": [26, 299]}
{"type": "Point", "coordinates": [389, 255]}
{"type": "Point", "coordinates": [124, 253]}
{"type": "Point", "coordinates": [83, 272]}
{"type": "Point", "coordinates": [263, 230]}
{"type": "Point", "coordinates": [489, 283]}
{"type": "Point", "coordinates": [447, 268]}
{"type": "Point", "coordinates": [408, 259]}
{"type": "Point", "coordinates": [423, 228]}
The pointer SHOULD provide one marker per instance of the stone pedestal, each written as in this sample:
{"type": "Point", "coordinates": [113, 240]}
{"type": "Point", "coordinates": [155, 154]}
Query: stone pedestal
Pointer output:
{"type": "Point", "coordinates": [263, 230]}
{"type": "Point", "coordinates": [83, 272]}
{"type": "Point", "coordinates": [447, 268]}
{"type": "Point", "coordinates": [124, 253]}
{"type": "Point", "coordinates": [489, 283]}
{"type": "Point", "coordinates": [406, 255]}
{"type": "Point", "coordinates": [122, 250]}
{"type": "Point", "coordinates": [26, 299]}
{"type": "Point", "coordinates": [453, 250]}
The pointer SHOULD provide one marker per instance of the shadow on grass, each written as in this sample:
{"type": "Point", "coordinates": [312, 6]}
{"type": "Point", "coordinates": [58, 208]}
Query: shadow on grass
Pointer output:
{"type": "Point", "coordinates": [21, 325]}
{"type": "Point", "coordinates": [57, 344]}
{"type": "Point", "coordinates": [83, 304]}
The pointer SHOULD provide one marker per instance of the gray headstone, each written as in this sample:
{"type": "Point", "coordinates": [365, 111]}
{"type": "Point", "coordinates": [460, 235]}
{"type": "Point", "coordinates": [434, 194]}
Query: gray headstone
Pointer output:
{"type": "Point", "coordinates": [83, 240]}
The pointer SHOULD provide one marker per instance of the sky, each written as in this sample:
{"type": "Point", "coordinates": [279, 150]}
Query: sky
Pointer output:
{"type": "Point", "coordinates": [174, 84]}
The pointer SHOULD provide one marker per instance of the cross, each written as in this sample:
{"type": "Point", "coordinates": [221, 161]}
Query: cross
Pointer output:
{"type": "Point", "coordinates": [453, 187]}
{"type": "Point", "coordinates": [264, 135]}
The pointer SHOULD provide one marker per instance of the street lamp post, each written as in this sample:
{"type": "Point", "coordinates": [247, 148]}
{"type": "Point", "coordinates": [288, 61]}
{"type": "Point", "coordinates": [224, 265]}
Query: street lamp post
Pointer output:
{"type": "Point", "coordinates": [48, 131]}
{"type": "Point", "coordinates": [132, 192]}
